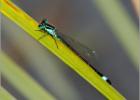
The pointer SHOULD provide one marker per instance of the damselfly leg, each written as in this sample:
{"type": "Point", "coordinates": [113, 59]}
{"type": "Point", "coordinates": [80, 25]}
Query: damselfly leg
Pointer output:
{"type": "Point", "coordinates": [44, 35]}
{"type": "Point", "coordinates": [56, 43]}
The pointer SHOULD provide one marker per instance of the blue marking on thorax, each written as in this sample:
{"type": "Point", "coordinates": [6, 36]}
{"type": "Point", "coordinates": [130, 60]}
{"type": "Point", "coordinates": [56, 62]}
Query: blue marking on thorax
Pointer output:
{"type": "Point", "coordinates": [51, 32]}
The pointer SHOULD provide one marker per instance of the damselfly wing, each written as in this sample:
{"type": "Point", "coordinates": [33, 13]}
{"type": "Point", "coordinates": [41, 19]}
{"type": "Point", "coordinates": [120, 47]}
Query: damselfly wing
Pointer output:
{"type": "Point", "coordinates": [88, 55]}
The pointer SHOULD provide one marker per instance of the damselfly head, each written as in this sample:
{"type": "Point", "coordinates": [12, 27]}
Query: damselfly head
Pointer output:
{"type": "Point", "coordinates": [44, 21]}
{"type": "Point", "coordinates": [41, 26]}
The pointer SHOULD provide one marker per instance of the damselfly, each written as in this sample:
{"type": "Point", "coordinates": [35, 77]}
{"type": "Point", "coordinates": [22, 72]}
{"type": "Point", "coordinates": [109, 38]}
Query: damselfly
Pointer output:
{"type": "Point", "coordinates": [85, 53]}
